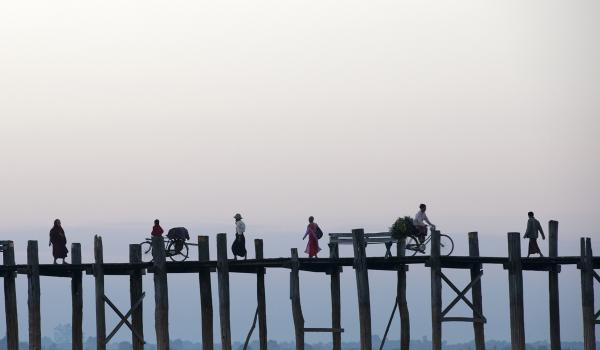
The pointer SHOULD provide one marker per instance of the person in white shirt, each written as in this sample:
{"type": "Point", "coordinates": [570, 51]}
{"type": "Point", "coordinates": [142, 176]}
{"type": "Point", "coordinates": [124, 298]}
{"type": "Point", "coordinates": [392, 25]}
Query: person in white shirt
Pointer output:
{"type": "Point", "coordinates": [239, 245]}
{"type": "Point", "coordinates": [420, 220]}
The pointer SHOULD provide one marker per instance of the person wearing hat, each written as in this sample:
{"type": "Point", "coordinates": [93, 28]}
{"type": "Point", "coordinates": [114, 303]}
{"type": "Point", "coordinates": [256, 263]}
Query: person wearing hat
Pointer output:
{"type": "Point", "coordinates": [239, 245]}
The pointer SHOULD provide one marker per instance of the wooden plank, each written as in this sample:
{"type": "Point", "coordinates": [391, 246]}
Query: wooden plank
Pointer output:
{"type": "Point", "coordinates": [336, 304]}
{"type": "Point", "coordinates": [223, 278]}
{"type": "Point", "coordinates": [515, 288]}
{"type": "Point", "coordinates": [205, 294]}
{"type": "Point", "coordinates": [436, 292]}
{"type": "Point", "coordinates": [587, 295]}
{"type": "Point", "coordinates": [261, 297]}
{"type": "Point", "coordinates": [33, 296]}
{"type": "Point", "coordinates": [553, 291]}
{"type": "Point", "coordinates": [10, 297]}
{"type": "Point", "coordinates": [362, 286]}
{"type": "Point", "coordinates": [99, 294]}
{"type": "Point", "coordinates": [401, 295]}
{"type": "Point", "coordinates": [476, 295]}
{"type": "Point", "coordinates": [76, 299]}
{"type": "Point", "coordinates": [136, 290]}
{"type": "Point", "coordinates": [161, 294]}
{"type": "Point", "coordinates": [295, 299]}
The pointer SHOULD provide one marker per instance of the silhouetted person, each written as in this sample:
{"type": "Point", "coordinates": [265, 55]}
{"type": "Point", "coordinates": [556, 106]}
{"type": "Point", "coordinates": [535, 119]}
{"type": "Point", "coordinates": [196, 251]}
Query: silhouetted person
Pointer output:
{"type": "Point", "coordinates": [312, 247]}
{"type": "Point", "coordinates": [58, 241]}
{"type": "Point", "coordinates": [533, 226]}
{"type": "Point", "coordinates": [419, 222]}
{"type": "Point", "coordinates": [239, 245]}
{"type": "Point", "coordinates": [156, 229]}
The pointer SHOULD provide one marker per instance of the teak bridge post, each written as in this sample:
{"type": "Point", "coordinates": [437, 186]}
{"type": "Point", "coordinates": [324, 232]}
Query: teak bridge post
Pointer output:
{"type": "Point", "coordinates": [553, 293]}
{"type": "Point", "coordinates": [205, 295]}
{"type": "Point", "coordinates": [161, 294]}
{"type": "Point", "coordinates": [76, 299]}
{"type": "Point", "coordinates": [136, 291]}
{"type": "Point", "coordinates": [515, 289]}
{"type": "Point", "coordinates": [33, 297]}
{"type": "Point", "coordinates": [10, 296]}
{"type": "Point", "coordinates": [362, 286]}
{"type": "Point", "coordinates": [223, 278]}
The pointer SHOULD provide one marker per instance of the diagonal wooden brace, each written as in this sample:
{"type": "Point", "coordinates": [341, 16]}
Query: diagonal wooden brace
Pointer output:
{"type": "Point", "coordinates": [461, 295]}
{"type": "Point", "coordinates": [124, 318]}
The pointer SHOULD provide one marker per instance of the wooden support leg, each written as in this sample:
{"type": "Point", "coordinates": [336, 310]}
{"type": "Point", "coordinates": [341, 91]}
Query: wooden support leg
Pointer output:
{"type": "Point", "coordinates": [436, 292]}
{"type": "Point", "coordinates": [401, 295]}
{"type": "Point", "coordinates": [205, 295]}
{"type": "Point", "coordinates": [478, 327]}
{"type": "Point", "coordinates": [10, 298]}
{"type": "Point", "coordinates": [261, 297]}
{"type": "Point", "coordinates": [223, 278]}
{"type": "Point", "coordinates": [161, 294]}
{"type": "Point", "coordinates": [99, 279]}
{"type": "Point", "coordinates": [587, 295]}
{"type": "Point", "coordinates": [136, 291]}
{"type": "Point", "coordinates": [295, 298]}
{"type": "Point", "coordinates": [515, 288]}
{"type": "Point", "coordinates": [362, 284]}
{"type": "Point", "coordinates": [554, 304]}
{"type": "Point", "coordinates": [336, 306]}
{"type": "Point", "coordinates": [33, 293]}
{"type": "Point", "coordinates": [76, 299]}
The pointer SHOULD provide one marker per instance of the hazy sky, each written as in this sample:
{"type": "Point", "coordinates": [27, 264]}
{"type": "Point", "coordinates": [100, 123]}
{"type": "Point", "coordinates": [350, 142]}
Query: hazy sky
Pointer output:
{"type": "Point", "coordinates": [115, 113]}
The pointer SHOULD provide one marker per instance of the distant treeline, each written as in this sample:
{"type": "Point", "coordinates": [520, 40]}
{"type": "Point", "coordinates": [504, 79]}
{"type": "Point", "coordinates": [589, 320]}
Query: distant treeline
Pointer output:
{"type": "Point", "coordinates": [90, 344]}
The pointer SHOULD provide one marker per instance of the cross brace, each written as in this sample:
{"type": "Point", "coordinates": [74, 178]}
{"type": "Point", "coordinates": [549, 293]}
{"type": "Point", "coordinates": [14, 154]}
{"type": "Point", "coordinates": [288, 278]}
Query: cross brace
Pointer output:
{"type": "Point", "coordinates": [597, 314]}
{"type": "Point", "coordinates": [461, 296]}
{"type": "Point", "coordinates": [124, 318]}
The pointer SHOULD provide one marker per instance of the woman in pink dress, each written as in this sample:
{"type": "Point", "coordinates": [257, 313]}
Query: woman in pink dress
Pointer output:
{"type": "Point", "coordinates": [312, 248]}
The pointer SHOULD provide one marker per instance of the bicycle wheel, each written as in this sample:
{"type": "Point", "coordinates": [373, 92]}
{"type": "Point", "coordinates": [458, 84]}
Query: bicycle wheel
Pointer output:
{"type": "Point", "coordinates": [412, 246]}
{"type": "Point", "coordinates": [446, 245]}
{"type": "Point", "coordinates": [146, 251]}
{"type": "Point", "coordinates": [176, 254]}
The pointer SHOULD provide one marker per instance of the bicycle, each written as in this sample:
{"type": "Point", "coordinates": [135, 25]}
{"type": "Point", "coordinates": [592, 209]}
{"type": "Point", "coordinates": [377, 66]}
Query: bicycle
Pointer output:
{"type": "Point", "coordinates": [175, 249]}
{"type": "Point", "coordinates": [413, 246]}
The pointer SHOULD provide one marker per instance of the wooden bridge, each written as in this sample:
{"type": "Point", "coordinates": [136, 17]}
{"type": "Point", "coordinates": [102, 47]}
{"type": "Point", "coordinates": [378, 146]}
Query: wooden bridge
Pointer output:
{"type": "Point", "coordinates": [332, 266]}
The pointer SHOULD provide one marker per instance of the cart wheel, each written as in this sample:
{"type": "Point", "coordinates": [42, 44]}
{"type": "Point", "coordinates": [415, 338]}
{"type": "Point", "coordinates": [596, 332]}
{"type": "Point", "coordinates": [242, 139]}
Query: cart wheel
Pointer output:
{"type": "Point", "coordinates": [446, 245]}
{"type": "Point", "coordinates": [176, 255]}
{"type": "Point", "coordinates": [412, 246]}
{"type": "Point", "coordinates": [146, 251]}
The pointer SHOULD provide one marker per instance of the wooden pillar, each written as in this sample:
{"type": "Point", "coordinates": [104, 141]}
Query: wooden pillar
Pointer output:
{"type": "Point", "coordinates": [515, 289]}
{"type": "Point", "coordinates": [223, 278]}
{"type": "Point", "coordinates": [587, 295]}
{"type": "Point", "coordinates": [336, 305]}
{"type": "Point", "coordinates": [10, 298]}
{"type": "Point", "coordinates": [362, 285]}
{"type": "Point", "coordinates": [205, 295]}
{"type": "Point", "coordinates": [136, 291]}
{"type": "Point", "coordinates": [99, 280]}
{"type": "Point", "coordinates": [161, 293]}
{"type": "Point", "coordinates": [260, 297]}
{"type": "Point", "coordinates": [476, 269]}
{"type": "Point", "coordinates": [401, 295]}
{"type": "Point", "coordinates": [295, 298]}
{"type": "Point", "coordinates": [33, 296]}
{"type": "Point", "coordinates": [436, 291]}
{"type": "Point", "coordinates": [553, 288]}
{"type": "Point", "coordinates": [76, 299]}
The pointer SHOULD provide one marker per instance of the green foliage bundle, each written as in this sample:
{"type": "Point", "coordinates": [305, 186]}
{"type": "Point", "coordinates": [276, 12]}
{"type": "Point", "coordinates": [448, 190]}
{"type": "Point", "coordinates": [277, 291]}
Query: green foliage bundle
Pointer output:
{"type": "Point", "coordinates": [403, 227]}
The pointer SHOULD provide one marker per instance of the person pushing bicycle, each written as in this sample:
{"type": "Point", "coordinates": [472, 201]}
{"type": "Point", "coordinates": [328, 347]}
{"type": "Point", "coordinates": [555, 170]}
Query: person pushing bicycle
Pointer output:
{"type": "Point", "coordinates": [419, 222]}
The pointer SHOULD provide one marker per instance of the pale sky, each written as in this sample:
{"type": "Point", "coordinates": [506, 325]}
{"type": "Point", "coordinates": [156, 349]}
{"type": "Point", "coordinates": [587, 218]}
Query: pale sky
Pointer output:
{"type": "Point", "coordinates": [113, 114]}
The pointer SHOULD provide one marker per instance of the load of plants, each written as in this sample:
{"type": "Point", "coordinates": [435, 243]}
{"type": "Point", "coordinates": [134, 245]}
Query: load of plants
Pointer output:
{"type": "Point", "coordinates": [403, 227]}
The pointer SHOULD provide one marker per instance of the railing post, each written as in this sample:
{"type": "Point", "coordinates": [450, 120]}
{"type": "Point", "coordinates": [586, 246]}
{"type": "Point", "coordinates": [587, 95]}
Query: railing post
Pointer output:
{"type": "Point", "coordinates": [205, 295]}
{"type": "Point", "coordinates": [336, 306]}
{"type": "Point", "coordinates": [553, 293]}
{"type": "Point", "coordinates": [587, 295]}
{"type": "Point", "coordinates": [260, 297]}
{"type": "Point", "coordinates": [436, 291]}
{"type": "Point", "coordinates": [135, 294]}
{"type": "Point", "coordinates": [33, 293]}
{"type": "Point", "coordinates": [161, 293]}
{"type": "Point", "coordinates": [362, 286]}
{"type": "Point", "coordinates": [515, 288]}
{"type": "Point", "coordinates": [223, 278]}
{"type": "Point", "coordinates": [295, 298]}
{"type": "Point", "coordinates": [476, 269]}
{"type": "Point", "coordinates": [401, 295]}
{"type": "Point", "coordinates": [10, 298]}
{"type": "Point", "coordinates": [76, 299]}
{"type": "Point", "coordinates": [99, 280]}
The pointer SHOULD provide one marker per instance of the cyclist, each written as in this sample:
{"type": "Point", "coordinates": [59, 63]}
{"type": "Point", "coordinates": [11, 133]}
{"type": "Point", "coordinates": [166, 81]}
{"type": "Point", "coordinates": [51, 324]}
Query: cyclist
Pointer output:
{"type": "Point", "coordinates": [419, 222]}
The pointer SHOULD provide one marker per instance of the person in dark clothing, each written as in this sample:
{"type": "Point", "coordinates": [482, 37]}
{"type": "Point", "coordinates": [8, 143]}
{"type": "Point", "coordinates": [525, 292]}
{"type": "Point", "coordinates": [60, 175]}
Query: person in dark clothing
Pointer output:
{"type": "Point", "coordinates": [533, 226]}
{"type": "Point", "coordinates": [58, 241]}
{"type": "Point", "coordinates": [156, 229]}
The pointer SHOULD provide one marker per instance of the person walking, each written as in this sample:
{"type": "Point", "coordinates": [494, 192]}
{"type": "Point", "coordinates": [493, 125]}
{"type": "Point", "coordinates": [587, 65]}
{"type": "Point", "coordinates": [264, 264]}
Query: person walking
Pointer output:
{"type": "Point", "coordinates": [58, 241]}
{"type": "Point", "coordinates": [239, 245]}
{"type": "Point", "coordinates": [156, 229]}
{"type": "Point", "coordinates": [312, 247]}
{"type": "Point", "coordinates": [533, 226]}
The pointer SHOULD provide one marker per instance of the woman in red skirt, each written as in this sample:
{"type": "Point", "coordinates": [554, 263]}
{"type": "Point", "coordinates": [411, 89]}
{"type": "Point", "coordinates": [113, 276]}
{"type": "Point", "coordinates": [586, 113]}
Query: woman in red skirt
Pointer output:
{"type": "Point", "coordinates": [312, 248]}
